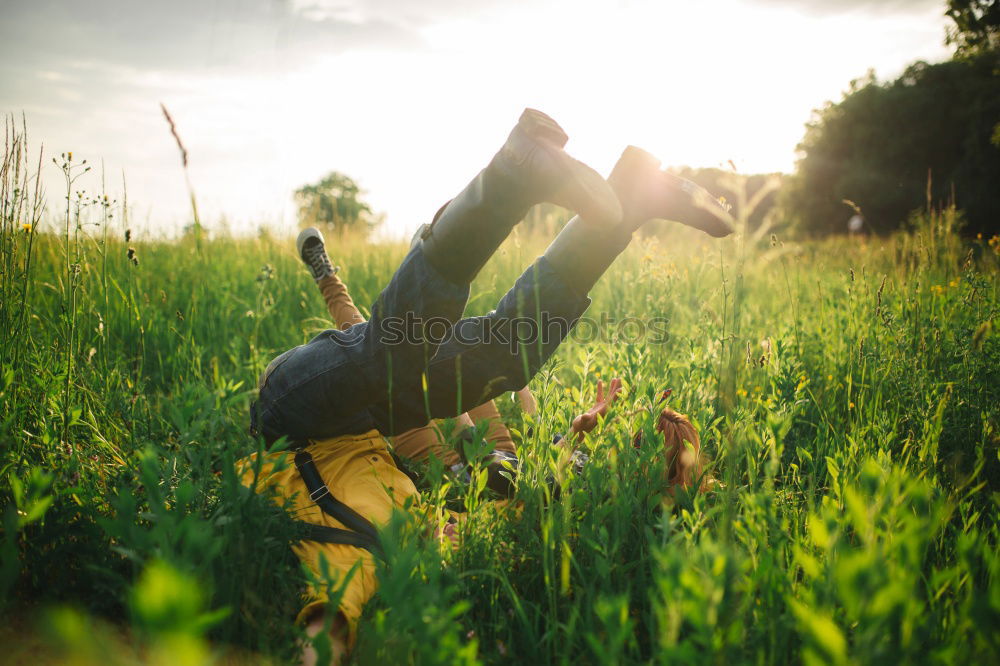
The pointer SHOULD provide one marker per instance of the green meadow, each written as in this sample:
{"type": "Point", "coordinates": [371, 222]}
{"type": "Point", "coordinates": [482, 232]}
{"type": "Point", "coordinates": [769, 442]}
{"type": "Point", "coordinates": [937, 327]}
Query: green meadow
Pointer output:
{"type": "Point", "coordinates": [847, 392]}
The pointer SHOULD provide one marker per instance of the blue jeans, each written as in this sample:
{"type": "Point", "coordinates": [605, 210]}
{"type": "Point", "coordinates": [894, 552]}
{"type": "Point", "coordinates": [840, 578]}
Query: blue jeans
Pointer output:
{"type": "Point", "coordinates": [415, 359]}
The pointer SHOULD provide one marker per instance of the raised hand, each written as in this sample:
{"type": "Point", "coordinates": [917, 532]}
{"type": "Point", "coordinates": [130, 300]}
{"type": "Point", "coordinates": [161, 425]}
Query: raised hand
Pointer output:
{"type": "Point", "coordinates": [587, 421]}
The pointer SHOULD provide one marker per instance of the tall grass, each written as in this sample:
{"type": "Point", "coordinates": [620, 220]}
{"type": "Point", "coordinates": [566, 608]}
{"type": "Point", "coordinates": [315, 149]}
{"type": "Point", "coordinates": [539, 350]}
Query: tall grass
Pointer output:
{"type": "Point", "coordinates": [847, 392]}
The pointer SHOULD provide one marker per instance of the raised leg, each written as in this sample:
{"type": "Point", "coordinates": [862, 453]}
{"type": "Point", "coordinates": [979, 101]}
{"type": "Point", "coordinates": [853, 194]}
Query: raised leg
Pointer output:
{"type": "Point", "coordinates": [325, 388]}
{"type": "Point", "coordinates": [500, 352]}
{"type": "Point", "coordinates": [489, 355]}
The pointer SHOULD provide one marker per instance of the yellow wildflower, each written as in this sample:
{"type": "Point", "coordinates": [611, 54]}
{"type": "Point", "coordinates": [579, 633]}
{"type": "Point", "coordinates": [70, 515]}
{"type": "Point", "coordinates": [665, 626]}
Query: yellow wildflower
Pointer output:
{"type": "Point", "coordinates": [26, 227]}
{"type": "Point", "coordinates": [850, 405]}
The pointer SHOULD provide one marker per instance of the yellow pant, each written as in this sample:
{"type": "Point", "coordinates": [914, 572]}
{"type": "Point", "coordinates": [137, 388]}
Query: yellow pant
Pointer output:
{"type": "Point", "coordinates": [359, 471]}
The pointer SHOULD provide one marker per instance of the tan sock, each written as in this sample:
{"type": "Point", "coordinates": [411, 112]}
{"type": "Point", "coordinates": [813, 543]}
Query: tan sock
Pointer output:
{"type": "Point", "coordinates": [339, 303]}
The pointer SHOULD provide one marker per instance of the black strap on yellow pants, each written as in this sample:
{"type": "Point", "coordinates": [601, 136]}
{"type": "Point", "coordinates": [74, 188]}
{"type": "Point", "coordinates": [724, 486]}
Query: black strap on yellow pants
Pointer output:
{"type": "Point", "coordinates": [360, 533]}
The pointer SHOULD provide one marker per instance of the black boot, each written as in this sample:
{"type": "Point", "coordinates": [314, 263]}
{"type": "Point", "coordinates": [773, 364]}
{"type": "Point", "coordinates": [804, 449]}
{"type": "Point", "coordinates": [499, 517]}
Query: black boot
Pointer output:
{"type": "Point", "coordinates": [581, 253]}
{"type": "Point", "coordinates": [530, 168]}
{"type": "Point", "coordinates": [647, 193]}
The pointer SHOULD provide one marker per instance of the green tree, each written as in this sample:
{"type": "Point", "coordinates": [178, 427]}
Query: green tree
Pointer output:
{"type": "Point", "coordinates": [888, 147]}
{"type": "Point", "coordinates": [335, 202]}
{"type": "Point", "coordinates": [976, 28]}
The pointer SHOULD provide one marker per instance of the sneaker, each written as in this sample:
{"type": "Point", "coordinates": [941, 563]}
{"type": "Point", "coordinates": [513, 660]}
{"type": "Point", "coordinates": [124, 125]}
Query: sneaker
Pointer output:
{"type": "Point", "coordinates": [312, 251]}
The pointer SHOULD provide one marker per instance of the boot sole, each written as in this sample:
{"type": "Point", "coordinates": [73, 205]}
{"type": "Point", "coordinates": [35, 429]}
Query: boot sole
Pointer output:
{"type": "Point", "coordinates": [541, 126]}
{"type": "Point", "coordinates": [583, 191]}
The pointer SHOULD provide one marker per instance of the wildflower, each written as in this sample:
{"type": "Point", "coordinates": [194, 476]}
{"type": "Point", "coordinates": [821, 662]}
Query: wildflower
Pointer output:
{"type": "Point", "coordinates": [741, 392]}
{"type": "Point", "coordinates": [829, 378]}
{"type": "Point", "coordinates": [850, 405]}
{"type": "Point", "coordinates": [266, 273]}
{"type": "Point", "coordinates": [26, 227]}
{"type": "Point", "coordinates": [979, 236]}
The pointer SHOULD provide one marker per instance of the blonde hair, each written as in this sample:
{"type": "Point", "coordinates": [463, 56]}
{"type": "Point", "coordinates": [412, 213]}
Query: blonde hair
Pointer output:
{"type": "Point", "coordinates": [682, 451]}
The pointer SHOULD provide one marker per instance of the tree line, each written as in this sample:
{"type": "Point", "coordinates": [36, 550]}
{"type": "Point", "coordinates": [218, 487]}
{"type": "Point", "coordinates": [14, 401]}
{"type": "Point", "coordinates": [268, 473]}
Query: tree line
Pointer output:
{"type": "Point", "coordinates": [929, 137]}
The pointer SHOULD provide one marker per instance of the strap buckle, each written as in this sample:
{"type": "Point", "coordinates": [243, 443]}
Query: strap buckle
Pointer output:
{"type": "Point", "coordinates": [319, 493]}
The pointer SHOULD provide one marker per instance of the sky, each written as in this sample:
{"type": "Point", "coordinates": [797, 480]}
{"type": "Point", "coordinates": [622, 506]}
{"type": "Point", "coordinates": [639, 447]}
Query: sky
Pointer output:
{"type": "Point", "coordinates": [411, 99]}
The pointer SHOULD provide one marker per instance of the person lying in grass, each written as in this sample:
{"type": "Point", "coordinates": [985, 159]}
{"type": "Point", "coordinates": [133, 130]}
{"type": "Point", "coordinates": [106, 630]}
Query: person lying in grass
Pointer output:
{"type": "Point", "coordinates": [335, 399]}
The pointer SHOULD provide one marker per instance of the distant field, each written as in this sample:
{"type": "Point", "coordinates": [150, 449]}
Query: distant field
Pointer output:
{"type": "Point", "coordinates": [847, 391]}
